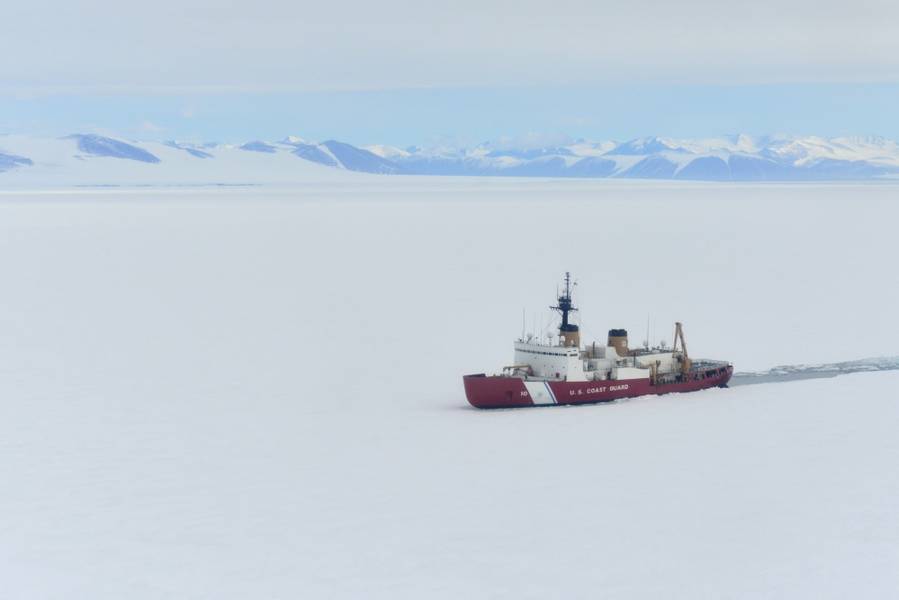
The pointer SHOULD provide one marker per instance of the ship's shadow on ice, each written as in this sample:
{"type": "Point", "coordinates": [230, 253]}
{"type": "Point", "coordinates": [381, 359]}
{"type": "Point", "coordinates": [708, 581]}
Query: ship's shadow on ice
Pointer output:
{"type": "Point", "coordinates": [796, 372]}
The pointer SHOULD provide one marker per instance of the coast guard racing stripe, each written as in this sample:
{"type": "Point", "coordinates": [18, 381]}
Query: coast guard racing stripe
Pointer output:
{"type": "Point", "coordinates": [540, 392]}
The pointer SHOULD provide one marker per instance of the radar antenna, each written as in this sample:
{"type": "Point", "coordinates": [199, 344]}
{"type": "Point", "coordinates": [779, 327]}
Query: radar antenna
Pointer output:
{"type": "Point", "coordinates": [568, 331]}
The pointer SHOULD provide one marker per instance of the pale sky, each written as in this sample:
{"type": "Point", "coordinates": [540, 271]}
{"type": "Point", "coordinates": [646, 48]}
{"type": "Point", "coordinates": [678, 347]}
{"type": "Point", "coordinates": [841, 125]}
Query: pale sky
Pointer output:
{"type": "Point", "coordinates": [182, 52]}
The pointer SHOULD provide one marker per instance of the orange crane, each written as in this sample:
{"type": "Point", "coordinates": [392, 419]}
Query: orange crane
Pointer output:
{"type": "Point", "coordinates": [679, 334]}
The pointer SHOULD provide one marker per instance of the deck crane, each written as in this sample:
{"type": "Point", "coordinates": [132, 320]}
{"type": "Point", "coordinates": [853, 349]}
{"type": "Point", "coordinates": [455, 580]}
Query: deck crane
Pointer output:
{"type": "Point", "coordinates": [685, 360]}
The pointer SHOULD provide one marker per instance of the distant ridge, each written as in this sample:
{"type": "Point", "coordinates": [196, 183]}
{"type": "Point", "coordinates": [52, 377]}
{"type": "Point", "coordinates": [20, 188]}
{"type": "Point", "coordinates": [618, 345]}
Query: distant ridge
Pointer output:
{"type": "Point", "coordinates": [726, 158]}
{"type": "Point", "coordinates": [10, 161]}
{"type": "Point", "coordinates": [97, 145]}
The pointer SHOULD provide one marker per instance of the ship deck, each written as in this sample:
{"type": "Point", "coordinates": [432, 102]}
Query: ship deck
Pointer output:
{"type": "Point", "coordinates": [700, 369]}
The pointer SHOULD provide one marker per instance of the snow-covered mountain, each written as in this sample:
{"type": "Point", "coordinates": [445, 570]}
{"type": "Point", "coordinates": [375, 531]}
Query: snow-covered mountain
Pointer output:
{"type": "Point", "coordinates": [90, 159]}
{"type": "Point", "coordinates": [731, 158]}
{"type": "Point", "coordinates": [93, 160]}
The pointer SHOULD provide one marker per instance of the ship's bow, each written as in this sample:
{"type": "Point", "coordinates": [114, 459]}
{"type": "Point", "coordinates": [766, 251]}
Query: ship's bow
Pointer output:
{"type": "Point", "coordinates": [485, 391]}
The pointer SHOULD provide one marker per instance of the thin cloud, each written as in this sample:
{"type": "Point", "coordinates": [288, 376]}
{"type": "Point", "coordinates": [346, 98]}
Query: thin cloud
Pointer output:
{"type": "Point", "coordinates": [106, 47]}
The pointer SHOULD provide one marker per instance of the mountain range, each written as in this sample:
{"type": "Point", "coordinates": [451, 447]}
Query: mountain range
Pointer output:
{"type": "Point", "coordinates": [91, 159]}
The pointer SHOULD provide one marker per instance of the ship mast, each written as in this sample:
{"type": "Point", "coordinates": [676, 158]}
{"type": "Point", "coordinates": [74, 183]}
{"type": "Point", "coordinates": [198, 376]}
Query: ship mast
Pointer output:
{"type": "Point", "coordinates": [568, 332]}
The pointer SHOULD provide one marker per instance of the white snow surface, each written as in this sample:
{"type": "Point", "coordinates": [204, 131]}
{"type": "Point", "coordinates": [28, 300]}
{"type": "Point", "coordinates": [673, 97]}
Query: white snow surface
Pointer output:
{"type": "Point", "coordinates": [246, 393]}
{"type": "Point", "coordinates": [874, 149]}
{"type": "Point", "coordinates": [385, 151]}
{"type": "Point", "coordinates": [585, 148]}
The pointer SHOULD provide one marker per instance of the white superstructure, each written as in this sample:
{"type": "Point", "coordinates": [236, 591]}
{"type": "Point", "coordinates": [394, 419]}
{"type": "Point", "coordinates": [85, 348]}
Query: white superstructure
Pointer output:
{"type": "Point", "coordinates": [567, 361]}
{"type": "Point", "coordinates": [536, 360]}
{"type": "Point", "coordinates": [545, 361]}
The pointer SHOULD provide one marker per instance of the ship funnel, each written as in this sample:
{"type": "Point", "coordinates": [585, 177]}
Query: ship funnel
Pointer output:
{"type": "Point", "coordinates": [618, 340]}
{"type": "Point", "coordinates": [571, 337]}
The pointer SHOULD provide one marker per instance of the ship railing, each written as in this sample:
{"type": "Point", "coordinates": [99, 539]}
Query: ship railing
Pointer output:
{"type": "Point", "coordinates": [702, 364]}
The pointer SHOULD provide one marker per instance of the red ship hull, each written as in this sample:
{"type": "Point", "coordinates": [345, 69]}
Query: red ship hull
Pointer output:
{"type": "Point", "coordinates": [511, 392]}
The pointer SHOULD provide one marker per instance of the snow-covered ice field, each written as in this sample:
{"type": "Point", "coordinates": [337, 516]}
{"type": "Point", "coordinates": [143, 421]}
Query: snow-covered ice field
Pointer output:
{"type": "Point", "coordinates": [256, 393]}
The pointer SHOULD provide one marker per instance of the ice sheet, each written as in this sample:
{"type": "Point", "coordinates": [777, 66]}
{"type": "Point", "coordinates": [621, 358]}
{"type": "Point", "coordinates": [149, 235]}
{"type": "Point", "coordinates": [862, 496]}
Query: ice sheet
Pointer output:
{"type": "Point", "coordinates": [257, 393]}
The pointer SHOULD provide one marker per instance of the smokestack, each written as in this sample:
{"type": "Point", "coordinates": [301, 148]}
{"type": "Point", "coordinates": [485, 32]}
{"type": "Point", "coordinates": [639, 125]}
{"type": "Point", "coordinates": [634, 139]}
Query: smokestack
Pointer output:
{"type": "Point", "coordinates": [571, 337]}
{"type": "Point", "coordinates": [618, 340]}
